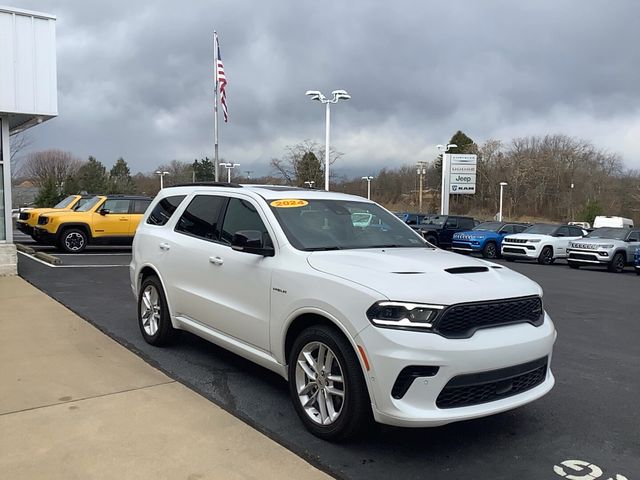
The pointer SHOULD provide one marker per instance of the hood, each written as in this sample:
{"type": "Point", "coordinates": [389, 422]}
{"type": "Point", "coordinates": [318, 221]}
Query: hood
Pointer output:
{"type": "Point", "coordinates": [595, 242]}
{"type": "Point", "coordinates": [424, 275]}
{"type": "Point", "coordinates": [529, 235]}
{"type": "Point", "coordinates": [475, 234]}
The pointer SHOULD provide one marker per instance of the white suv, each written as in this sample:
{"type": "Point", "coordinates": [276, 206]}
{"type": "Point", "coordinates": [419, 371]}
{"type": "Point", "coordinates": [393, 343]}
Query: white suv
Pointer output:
{"type": "Point", "coordinates": [544, 242]}
{"type": "Point", "coordinates": [365, 319]}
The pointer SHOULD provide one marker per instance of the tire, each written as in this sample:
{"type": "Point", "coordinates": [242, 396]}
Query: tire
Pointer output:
{"type": "Point", "coordinates": [637, 271]}
{"type": "Point", "coordinates": [546, 256]}
{"type": "Point", "coordinates": [154, 319]}
{"type": "Point", "coordinates": [73, 240]}
{"type": "Point", "coordinates": [617, 263]}
{"type": "Point", "coordinates": [432, 240]}
{"type": "Point", "coordinates": [490, 250]}
{"type": "Point", "coordinates": [575, 266]}
{"type": "Point", "coordinates": [352, 407]}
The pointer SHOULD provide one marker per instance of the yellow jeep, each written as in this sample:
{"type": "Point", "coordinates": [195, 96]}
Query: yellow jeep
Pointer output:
{"type": "Point", "coordinates": [29, 219]}
{"type": "Point", "coordinates": [110, 219]}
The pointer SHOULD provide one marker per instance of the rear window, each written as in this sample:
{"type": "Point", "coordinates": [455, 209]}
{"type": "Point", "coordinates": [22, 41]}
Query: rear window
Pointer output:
{"type": "Point", "coordinates": [164, 209]}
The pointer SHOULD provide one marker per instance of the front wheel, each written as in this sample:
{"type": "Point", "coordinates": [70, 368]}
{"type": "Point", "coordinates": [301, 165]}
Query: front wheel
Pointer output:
{"type": "Point", "coordinates": [327, 385]}
{"type": "Point", "coordinates": [432, 240]}
{"type": "Point", "coordinates": [490, 250]}
{"type": "Point", "coordinates": [617, 263]}
{"type": "Point", "coordinates": [73, 240]}
{"type": "Point", "coordinates": [546, 256]}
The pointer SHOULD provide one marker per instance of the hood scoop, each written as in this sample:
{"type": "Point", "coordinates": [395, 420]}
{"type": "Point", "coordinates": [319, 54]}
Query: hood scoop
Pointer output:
{"type": "Point", "coordinates": [409, 273]}
{"type": "Point", "coordinates": [459, 270]}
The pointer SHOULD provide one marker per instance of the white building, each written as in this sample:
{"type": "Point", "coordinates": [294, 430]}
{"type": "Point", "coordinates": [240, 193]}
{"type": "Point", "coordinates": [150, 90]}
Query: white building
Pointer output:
{"type": "Point", "coordinates": [28, 96]}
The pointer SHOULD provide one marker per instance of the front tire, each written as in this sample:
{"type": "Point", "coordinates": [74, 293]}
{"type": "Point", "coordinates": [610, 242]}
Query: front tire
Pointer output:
{"type": "Point", "coordinates": [575, 266]}
{"type": "Point", "coordinates": [490, 250]}
{"type": "Point", "coordinates": [617, 263]}
{"type": "Point", "coordinates": [73, 240]}
{"type": "Point", "coordinates": [546, 256]}
{"type": "Point", "coordinates": [327, 385]}
{"type": "Point", "coordinates": [432, 240]}
{"type": "Point", "coordinates": [154, 319]}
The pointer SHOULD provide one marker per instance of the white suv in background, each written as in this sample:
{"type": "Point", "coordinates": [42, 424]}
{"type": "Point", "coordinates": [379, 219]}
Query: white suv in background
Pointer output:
{"type": "Point", "coordinates": [543, 242]}
{"type": "Point", "coordinates": [610, 247]}
{"type": "Point", "coordinates": [364, 319]}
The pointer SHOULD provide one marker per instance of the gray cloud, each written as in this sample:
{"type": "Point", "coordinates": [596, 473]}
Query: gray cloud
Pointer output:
{"type": "Point", "coordinates": [135, 78]}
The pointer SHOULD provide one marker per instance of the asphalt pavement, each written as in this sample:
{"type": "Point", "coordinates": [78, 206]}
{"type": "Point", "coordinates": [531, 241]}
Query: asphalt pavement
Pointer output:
{"type": "Point", "coordinates": [589, 422]}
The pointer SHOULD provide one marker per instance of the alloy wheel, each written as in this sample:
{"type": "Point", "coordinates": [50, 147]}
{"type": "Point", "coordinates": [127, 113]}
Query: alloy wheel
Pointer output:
{"type": "Point", "coordinates": [74, 241]}
{"type": "Point", "coordinates": [150, 310]}
{"type": "Point", "coordinates": [320, 383]}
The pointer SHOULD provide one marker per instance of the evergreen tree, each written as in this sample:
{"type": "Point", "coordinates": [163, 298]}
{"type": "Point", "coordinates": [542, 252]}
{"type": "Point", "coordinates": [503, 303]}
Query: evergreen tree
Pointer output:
{"type": "Point", "coordinates": [120, 178]}
{"type": "Point", "coordinates": [309, 169]}
{"type": "Point", "coordinates": [204, 170]}
{"type": "Point", "coordinates": [49, 194]}
{"type": "Point", "coordinates": [92, 176]}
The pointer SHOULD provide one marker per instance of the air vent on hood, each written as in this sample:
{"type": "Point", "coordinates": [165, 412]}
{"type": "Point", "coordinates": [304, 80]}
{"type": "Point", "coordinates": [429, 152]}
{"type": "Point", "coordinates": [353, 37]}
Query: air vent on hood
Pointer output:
{"type": "Point", "coordinates": [408, 273]}
{"type": "Point", "coordinates": [456, 270]}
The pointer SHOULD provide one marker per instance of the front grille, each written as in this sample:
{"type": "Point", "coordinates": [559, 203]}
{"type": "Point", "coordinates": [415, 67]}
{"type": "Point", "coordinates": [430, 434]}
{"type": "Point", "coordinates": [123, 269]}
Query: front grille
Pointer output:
{"type": "Point", "coordinates": [521, 251]}
{"type": "Point", "coordinates": [43, 220]}
{"type": "Point", "coordinates": [476, 388]}
{"type": "Point", "coordinates": [408, 375]}
{"type": "Point", "coordinates": [515, 240]}
{"type": "Point", "coordinates": [24, 216]}
{"type": "Point", "coordinates": [583, 256]}
{"type": "Point", "coordinates": [461, 321]}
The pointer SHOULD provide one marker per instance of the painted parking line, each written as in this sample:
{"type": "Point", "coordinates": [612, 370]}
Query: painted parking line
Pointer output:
{"type": "Point", "coordinates": [93, 254]}
{"type": "Point", "coordinates": [70, 266]}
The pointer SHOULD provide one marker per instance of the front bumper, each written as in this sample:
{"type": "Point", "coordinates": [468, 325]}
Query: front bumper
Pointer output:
{"type": "Point", "coordinates": [588, 257]}
{"type": "Point", "coordinates": [521, 250]}
{"type": "Point", "coordinates": [44, 236]}
{"type": "Point", "coordinates": [25, 228]}
{"type": "Point", "coordinates": [390, 351]}
{"type": "Point", "coordinates": [464, 246]}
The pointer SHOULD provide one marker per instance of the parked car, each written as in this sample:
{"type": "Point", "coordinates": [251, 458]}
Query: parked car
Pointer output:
{"type": "Point", "coordinates": [411, 219]}
{"type": "Point", "coordinates": [637, 261]}
{"type": "Point", "coordinates": [613, 222]}
{"type": "Point", "coordinates": [438, 230]}
{"type": "Point", "coordinates": [544, 242]}
{"type": "Point", "coordinates": [583, 225]}
{"type": "Point", "coordinates": [610, 247]}
{"type": "Point", "coordinates": [111, 219]}
{"type": "Point", "coordinates": [363, 322]}
{"type": "Point", "coordinates": [486, 238]}
{"type": "Point", "coordinates": [28, 220]}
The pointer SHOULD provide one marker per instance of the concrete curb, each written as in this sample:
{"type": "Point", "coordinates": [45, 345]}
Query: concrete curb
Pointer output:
{"type": "Point", "coordinates": [45, 257]}
{"type": "Point", "coordinates": [25, 249]}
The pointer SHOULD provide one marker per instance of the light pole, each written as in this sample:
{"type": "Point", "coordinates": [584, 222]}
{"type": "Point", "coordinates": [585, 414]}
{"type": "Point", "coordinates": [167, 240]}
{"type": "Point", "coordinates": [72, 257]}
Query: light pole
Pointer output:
{"type": "Point", "coordinates": [421, 169]}
{"type": "Point", "coordinates": [444, 188]}
{"type": "Point", "coordinates": [162, 174]}
{"type": "Point", "coordinates": [502, 185]}
{"type": "Point", "coordinates": [337, 95]}
{"type": "Point", "coordinates": [368, 179]}
{"type": "Point", "coordinates": [309, 183]}
{"type": "Point", "coordinates": [229, 167]}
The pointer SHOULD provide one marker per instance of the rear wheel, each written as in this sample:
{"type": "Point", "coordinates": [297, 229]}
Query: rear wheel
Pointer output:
{"type": "Point", "coordinates": [546, 256]}
{"type": "Point", "coordinates": [73, 240]}
{"type": "Point", "coordinates": [154, 319]}
{"type": "Point", "coordinates": [432, 239]}
{"type": "Point", "coordinates": [327, 385]}
{"type": "Point", "coordinates": [490, 250]}
{"type": "Point", "coordinates": [617, 263]}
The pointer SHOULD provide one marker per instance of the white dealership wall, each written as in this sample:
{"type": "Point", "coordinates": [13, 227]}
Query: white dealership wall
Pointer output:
{"type": "Point", "coordinates": [28, 96]}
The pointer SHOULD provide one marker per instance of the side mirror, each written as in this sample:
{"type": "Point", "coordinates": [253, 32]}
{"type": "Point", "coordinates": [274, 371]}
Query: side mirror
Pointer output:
{"type": "Point", "coordinates": [104, 211]}
{"type": "Point", "coordinates": [250, 241]}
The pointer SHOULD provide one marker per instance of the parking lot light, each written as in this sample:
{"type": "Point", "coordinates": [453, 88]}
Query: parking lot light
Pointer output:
{"type": "Point", "coordinates": [502, 185]}
{"type": "Point", "coordinates": [368, 179]}
{"type": "Point", "coordinates": [309, 183]}
{"type": "Point", "coordinates": [162, 174]}
{"type": "Point", "coordinates": [229, 167]}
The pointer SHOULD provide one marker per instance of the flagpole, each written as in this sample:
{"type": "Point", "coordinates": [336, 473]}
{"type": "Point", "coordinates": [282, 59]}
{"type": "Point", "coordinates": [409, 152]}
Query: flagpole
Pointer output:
{"type": "Point", "coordinates": [216, 162]}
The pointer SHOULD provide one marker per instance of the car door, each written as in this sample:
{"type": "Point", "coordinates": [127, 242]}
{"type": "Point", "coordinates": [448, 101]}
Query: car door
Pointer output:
{"type": "Point", "coordinates": [561, 241]}
{"type": "Point", "coordinates": [111, 219]}
{"type": "Point", "coordinates": [448, 229]}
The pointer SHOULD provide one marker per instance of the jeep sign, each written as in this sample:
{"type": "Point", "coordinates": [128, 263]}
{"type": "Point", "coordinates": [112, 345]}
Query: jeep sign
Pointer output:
{"type": "Point", "coordinates": [462, 174]}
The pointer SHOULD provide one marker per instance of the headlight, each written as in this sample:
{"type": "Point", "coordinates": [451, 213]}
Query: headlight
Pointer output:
{"type": "Point", "coordinates": [533, 240]}
{"type": "Point", "coordinates": [403, 315]}
{"type": "Point", "coordinates": [606, 246]}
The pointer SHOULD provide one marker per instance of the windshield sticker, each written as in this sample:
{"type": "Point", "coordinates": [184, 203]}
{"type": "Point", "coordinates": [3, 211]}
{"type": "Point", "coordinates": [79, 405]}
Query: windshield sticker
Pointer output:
{"type": "Point", "coordinates": [288, 203]}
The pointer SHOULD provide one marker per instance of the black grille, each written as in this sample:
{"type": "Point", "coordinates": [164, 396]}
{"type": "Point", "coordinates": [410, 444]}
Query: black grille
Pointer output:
{"type": "Point", "coordinates": [583, 256]}
{"type": "Point", "coordinates": [513, 250]}
{"type": "Point", "coordinates": [24, 216]}
{"type": "Point", "coordinates": [461, 321]}
{"type": "Point", "coordinates": [476, 388]}
{"type": "Point", "coordinates": [515, 240]}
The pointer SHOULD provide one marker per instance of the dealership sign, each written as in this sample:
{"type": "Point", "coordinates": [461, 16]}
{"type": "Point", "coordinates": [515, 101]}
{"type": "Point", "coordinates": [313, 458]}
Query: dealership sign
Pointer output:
{"type": "Point", "coordinates": [462, 174]}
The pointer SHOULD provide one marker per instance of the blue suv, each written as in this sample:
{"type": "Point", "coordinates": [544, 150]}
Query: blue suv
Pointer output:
{"type": "Point", "coordinates": [486, 238]}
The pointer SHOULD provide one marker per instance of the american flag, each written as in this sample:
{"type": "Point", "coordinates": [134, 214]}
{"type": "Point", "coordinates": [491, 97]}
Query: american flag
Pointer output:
{"type": "Point", "coordinates": [221, 81]}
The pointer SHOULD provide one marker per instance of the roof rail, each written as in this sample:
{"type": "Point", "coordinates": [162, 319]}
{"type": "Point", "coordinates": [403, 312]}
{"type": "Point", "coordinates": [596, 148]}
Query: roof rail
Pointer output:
{"type": "Point", "coordinates": [206, 184]}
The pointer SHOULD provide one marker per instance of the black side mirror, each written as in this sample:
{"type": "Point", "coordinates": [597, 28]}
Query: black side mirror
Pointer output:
{"type": "Point", "coordinates": [104, 211]}
{"type": "Point", "coordinates": [250, 241]}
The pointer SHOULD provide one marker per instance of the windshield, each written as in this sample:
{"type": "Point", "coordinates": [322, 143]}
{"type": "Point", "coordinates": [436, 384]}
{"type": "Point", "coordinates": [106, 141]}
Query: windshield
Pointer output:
{"type": "Point", "coordinates": [434, 220]}
{"type": "Point", "coordinates": [92, 202]}
{"type": "Point", "coordinates": [489, 226]}
{"type": "Point", "coordinates": [542, 229]}
{"type": "Point", "coordinates": [313, 225]}
{"type": "Point", "coordinates": [66, 202]}
{"type": "Point", "coordinates": [610, 233]}
{"type": "Point", "coordinates": [82, 202]}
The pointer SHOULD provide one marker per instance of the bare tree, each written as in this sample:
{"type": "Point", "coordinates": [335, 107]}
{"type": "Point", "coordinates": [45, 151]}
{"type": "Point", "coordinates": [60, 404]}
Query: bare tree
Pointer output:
{"type": "Point", "coordinates": [291, 165]}
{"type": "Point", "coordinates": [49, 166]}
{"type": "Point", "coordinates": [17, 143]}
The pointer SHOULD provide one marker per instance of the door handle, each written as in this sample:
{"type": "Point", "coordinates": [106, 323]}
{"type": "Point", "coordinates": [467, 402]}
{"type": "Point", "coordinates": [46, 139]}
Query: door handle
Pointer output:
{"type": "Point", "coordinates": [216, 260]}
{"type": "Point", "coordinates": [164, 246]}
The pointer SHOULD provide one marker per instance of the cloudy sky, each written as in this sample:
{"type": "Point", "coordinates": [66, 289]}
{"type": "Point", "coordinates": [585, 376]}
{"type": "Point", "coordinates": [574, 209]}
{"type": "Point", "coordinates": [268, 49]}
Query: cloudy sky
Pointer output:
{"type": "Point", "coordinates": [135, 77]}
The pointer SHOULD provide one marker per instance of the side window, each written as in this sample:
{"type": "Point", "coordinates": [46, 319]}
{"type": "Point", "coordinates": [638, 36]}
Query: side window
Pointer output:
{"type": "Point", "coordinates": [507, 229]}
{"type": "Point", "coordinates": [116, 205]}
{"type": "Point", "coordinates": [200, 219]}
{"type": "Point", "coordinates": [452, 222]}
{"type": "Point", "coordinates": [164, 209]}
{"type": "Point", "coordinates": [634, 237]}
{"type": "Point", "coordinates": [140, 206]}
{"type": "Point", "coordinates": [519, 228]}
{"type": "Point", "coordinates": [241, 215]}
{"type": "Point", "coordinates": [466, 223]}
{"type": "Point", "coordinates": [562, 232]}
{"type": "Point", "coordinates": [575, 232]}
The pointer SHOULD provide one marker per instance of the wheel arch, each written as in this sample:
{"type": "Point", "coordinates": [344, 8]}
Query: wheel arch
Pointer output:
{"type": "Point", "coordinates": [150, 270]}
{"type": "Point", "coordinates": [82, 226]}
